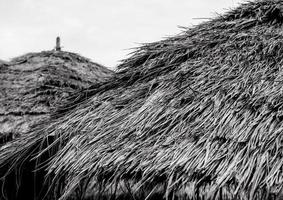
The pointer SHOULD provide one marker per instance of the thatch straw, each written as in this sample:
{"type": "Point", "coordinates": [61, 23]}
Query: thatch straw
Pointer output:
{"type": "Point", "coordinates": [34, 84]}
{"type": "Point", "coordinates": [195, 116]}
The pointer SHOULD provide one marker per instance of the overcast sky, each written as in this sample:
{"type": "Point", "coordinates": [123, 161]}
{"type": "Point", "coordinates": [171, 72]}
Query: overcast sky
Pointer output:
{"type": "Point", "coordinates": [103, 30]}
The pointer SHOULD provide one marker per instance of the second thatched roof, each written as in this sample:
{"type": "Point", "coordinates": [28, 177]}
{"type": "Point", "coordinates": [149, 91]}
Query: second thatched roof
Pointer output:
{"type": "Point", "coordinates": [197, 116]}
{"type": "Point", "coordinates": [36, 83]}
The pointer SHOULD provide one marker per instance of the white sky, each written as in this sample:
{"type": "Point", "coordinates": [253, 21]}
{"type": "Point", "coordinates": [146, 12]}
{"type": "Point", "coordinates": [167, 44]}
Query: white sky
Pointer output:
{"type": "Point", "coordinates": [103, 30]}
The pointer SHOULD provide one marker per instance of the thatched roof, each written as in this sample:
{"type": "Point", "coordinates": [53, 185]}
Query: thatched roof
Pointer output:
{"type": "Point", "coordinates": [198, 116]}
{"type": "Point", "coordinates": [34, 84]}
